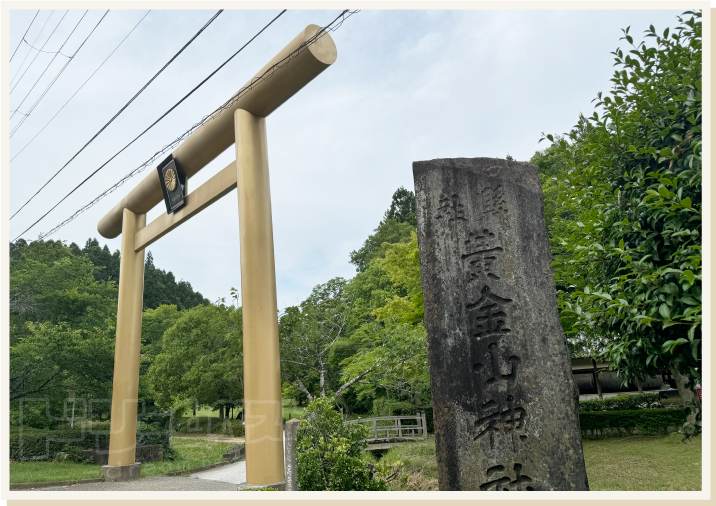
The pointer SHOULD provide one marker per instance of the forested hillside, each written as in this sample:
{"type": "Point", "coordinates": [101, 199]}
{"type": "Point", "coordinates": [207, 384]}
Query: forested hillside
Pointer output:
{"type": "Point", "coordinates": [63, 308]}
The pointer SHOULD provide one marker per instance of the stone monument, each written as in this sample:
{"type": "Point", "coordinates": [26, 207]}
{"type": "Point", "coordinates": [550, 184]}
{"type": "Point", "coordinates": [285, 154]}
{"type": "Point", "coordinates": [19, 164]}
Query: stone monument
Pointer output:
{"type": "Point", "coordinates": [501, 380]}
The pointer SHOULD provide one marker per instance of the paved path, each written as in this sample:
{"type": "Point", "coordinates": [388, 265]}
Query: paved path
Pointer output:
{"type": "Point", "coordinates": [233, 473]}
{"type": "Point", "coordinates": [152, 483]}
{"type": "Point", "coordinates": [229, 477]}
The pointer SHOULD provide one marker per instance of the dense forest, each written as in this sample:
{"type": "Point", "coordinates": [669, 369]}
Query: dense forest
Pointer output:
{"type": "Point", "coordinates": [63, 306]}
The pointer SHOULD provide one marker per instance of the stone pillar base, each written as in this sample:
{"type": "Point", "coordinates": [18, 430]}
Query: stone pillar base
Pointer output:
{"type": "Point", "coordinates": [121, 473]}
{"type": "Point", "coordinates": [281, 485]}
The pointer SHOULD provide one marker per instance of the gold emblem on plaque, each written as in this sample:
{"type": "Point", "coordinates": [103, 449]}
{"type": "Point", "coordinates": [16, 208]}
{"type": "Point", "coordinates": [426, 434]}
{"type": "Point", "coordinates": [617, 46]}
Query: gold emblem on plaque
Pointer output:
{"type": "Point", "coordinates": [170, 180]}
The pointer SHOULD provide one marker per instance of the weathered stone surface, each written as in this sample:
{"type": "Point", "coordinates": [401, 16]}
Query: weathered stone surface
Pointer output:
{"type": "Point", "coordinates": [502, 387]}
{"type": "Point", "coordinates": [290, 453]}
{"type": "Point", "coordinates": [121, 473]}
{"type": "Point", "coordinates": [236, 453]}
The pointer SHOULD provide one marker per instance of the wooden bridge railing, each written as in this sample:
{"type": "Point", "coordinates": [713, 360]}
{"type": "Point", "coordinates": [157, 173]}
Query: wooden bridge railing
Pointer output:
{"type": "Point", "coordinates": [392, 427]}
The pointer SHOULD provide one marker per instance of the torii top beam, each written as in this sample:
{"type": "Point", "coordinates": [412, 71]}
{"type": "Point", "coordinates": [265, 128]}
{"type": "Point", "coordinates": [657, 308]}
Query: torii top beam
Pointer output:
{"type": "Point", "coordinates": [217, 134]}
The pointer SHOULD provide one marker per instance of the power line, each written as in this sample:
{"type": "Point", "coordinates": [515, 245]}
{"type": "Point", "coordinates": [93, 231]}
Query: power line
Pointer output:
{"type": "Point", "coordinates": [23, 37]}
{"type": "Point", "coordinates": [40, 50]}
{"type": "Point", "coordinates": [22, 121]}
{"type": "Point", "coordinates": [53, 59]}
{"type": "Point", "coordinates": [38, 54]}
{"type": "Point", "coordinates": [121, 110]}
{"type": "Point", "coordinates": [266, 75]}
{"type": "Point", "coordinates": [78, 89]}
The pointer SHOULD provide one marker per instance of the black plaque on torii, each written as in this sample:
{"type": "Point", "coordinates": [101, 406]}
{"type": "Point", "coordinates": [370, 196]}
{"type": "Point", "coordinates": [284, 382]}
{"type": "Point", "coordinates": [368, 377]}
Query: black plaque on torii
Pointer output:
{"type": "Point", "coordinates": [173, 182]}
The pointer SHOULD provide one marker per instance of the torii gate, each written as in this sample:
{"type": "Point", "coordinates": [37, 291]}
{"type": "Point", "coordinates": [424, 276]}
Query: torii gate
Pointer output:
{"type": "Point", "coordinates": [243, 122]}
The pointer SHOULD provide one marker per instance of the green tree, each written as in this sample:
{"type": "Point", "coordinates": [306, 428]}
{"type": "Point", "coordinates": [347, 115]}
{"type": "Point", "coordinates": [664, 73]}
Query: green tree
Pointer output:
{"type": "Point", "coordinates": [397, 224]}
{"type": "Point", "coordinates": [396, 342]}
{"type": "Point", "coordinates": [635, 241]}
{"type": "Point", "coordinates": [107, 262]}
{"type": "Point", "coordinates": [201, 358]}
{"type": "Point", "coordinates": [328, 452]}
{"type": "Point", "coordinates": [402, 208]}
{"type": "Point", "coordinates": [161, 288]}
{"type": "Point", "coordinates": [322, 320]}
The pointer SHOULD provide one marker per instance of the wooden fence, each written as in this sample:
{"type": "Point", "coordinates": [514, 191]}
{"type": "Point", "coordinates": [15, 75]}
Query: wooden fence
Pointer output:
{"type": "Point", "coordinates": [394, 428]}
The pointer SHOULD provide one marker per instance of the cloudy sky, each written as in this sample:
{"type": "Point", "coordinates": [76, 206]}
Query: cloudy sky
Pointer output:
{"type": "Point", "coordinates": [407, 85]}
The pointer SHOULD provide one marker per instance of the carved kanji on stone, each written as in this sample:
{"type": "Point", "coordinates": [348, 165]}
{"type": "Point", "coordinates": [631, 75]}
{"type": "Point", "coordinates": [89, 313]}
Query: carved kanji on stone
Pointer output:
{"type": "Point", "coordinates": [504, 482]}
{"type": "Point", "coordinates": [498, 417]}
{"type": "Point", "coordinates": [489, 314]}
{"type": "Point", "coordinates": [451, 208]}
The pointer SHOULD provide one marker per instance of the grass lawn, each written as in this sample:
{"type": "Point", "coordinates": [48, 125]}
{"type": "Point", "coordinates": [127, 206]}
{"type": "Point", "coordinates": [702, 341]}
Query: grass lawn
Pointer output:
{"type": "Point", "coordinates": [192, 453]}
{"type": "Point", "coordinates": [628, 463]}
{"type": "Point", "coordinates": [643, 463]}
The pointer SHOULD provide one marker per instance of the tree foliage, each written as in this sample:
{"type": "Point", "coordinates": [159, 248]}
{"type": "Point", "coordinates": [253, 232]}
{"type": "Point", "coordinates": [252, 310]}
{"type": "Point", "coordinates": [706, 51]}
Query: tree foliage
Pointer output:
{"type": "Point", "coordinates": [328, 452]}
{"type": "Point", "coordinates": [397, 224]}
{"type": "Point", "coordinates": [201, 358]}
{"type": "Point", "coordinates": [634, 277]}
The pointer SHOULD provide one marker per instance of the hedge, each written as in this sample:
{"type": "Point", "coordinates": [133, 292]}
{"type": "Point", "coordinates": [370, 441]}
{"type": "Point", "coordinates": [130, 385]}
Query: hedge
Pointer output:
{"type": "Point", "coordinates": [210, 425]}
{"type": "Point", "coordinates": [622, 403]}
{"type": "Point", "coordinates": [645, 421]}
{"type": "Point", "coordinates": [43, 444]}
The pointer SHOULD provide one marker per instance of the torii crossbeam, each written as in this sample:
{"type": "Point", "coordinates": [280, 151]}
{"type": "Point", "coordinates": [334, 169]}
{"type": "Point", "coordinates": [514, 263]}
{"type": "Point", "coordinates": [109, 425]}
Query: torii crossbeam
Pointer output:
{"type": "Point", "coordinates": [242, 122]}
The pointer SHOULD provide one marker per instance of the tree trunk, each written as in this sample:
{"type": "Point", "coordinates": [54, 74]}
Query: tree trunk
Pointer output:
{"type": "Point", "coordinates": [194, 410]}
{"type": "Point", "coordinates": [639, 385]}
{"type": "Point", "coordinates": [221, 412]}
{"type": "Point", "coordinates": [685, 392]}
{"type": "Point", "coordinates": [323, 381]}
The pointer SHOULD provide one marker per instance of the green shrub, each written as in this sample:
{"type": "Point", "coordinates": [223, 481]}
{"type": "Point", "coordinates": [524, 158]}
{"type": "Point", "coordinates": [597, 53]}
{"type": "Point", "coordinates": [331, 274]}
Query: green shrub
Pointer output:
{"type": "Point", "coordinates": [622, 403]}
{"type": "Point", "coordinates": [210, 425]}
{"type": "Point", "coordinates": [646, 421]}
{"type": "Point", "coordinates": [385, 407]}
{"type": "Point", "coordinates": [328, 453]}
{"type": "Point", "coordinates": [41, 444]}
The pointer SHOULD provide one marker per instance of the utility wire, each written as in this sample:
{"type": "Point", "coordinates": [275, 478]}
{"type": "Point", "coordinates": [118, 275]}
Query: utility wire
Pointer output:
{"type": "Point", "coordinates": [22, 121]}
{"type": "Point", "coordinates": [48, 52]}
{"type": "Point", "coordinates": [121, 110]}
{"type": "Point", "coordinates": [36, 55]}
{"type": "Point", "coordinates": [23, 37]}
{"type": "Point", "coordinates": [42, 95]}
{"type": "Point", "coordinates": [53, 59]}
{"type": "Point", "coordinates": [265, 76]}
{"type": "Point", "coordinates": [78, 89]}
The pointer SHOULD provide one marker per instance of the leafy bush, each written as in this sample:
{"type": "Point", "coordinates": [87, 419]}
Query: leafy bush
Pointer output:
{"type": "Point", "coordinates": [328, 453]}
{"type": "Point", "coordinates": [385, 407]}
{"type": "Point", "coordinates": [634, 278]}
{"type": "Point", "coordinates": [646, 421]}
{"type": "Point", "coordinates": [622, 403]}
{"type": "Point", "coordinates": [210, 425]}
{"type": "Point", "coordinates": [41, 444]}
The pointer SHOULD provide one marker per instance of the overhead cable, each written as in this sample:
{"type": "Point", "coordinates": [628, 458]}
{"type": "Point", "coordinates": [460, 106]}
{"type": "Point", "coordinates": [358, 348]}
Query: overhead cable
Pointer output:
{"type": "Point", "coordinates": [121, 110]}
{"type": "Point", "coordinates": [265, 76]}
{"type": "Point", "coordinates": [23, 37]}
{"type": "Point", "coordinates": [48, 65]}
{"type": "Point", "coordinates": [78, 89]}
{"type": "Point", "coordinates": [42, 95]}
{"type": "Point", "coordinates": [38, 54]}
